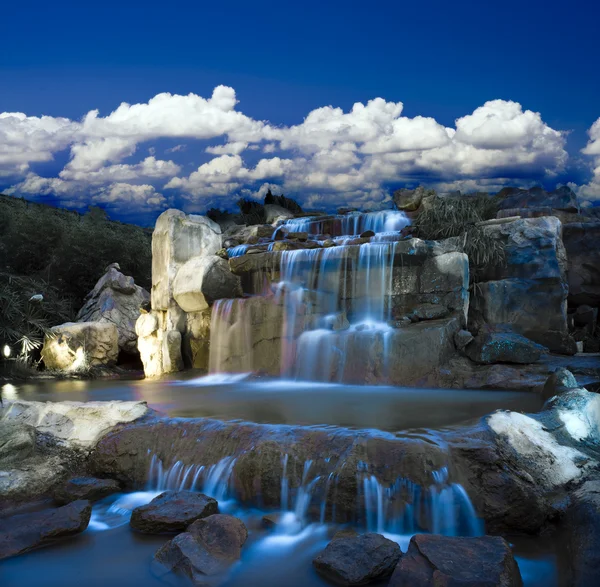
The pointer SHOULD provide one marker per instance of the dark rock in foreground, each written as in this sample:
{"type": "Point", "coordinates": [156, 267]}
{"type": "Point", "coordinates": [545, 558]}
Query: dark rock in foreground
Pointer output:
{"type": "Point", "coordinates": [503, 347]}
{"type": "Point", "coordinates": [559, 381]}
{"type": "Point", "coordinates": [172, 511]}
{"type": "Point", "coordinates": [86, 488]}
{"type": "Point", "coordinates": [24, 532]}
{"type": "Point", "coordinates": [358, 560]}
{"type": "Point", "coordinates": [486, 561]}
{"type": "Point", "coordinates": [205, 551]}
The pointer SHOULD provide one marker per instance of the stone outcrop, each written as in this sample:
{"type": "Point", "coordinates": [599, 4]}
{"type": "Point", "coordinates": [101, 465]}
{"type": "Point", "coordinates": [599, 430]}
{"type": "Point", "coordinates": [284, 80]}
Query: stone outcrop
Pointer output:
{"type": "Point", "coordinates": [358, 560]}
{"type": "Point", "coordinates": [444, 560]}
{"type": "Point", "coordinates": [88, 488]}
{"type": "Point", "coordinates": [410, 200]}
{"type": "Point", "coordinates": [116, 299]}
{"type": "Point", "coordinates": [76, 346]}
{"type": "Point", "coordinates": [529, 293]}
{"type": "Point", "coordinates": [176, 334]}
{"type": "Point", "coordinates": [172, 511]}
{"type": "Point", "coordinates": [24, 532]}
{"type": "Point", "coordinates": [503, 347]}
{"type": "Point", "coordinates": [562, 198]}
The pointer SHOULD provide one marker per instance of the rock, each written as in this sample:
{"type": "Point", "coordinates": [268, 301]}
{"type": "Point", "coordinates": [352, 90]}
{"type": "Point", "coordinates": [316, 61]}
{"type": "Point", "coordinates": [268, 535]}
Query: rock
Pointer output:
{"type": "Point", "coordinates": [271, 521]}
{"type": "Point", "coordinates": [358, 560]}
{"type": "Point", "coordinates": [297, 236]}
{"type": "Point", "coordinates": [202, 280]}
{"type": "Point", "coordinates": [88, 488]}
{"type": "Point", "coordinates": [562, 198]}
{"type": "Point", "coordinates": [146, 325]}
{"type": "Point", "coordinates": [559, 381]}
{"type": "Point", "coordinates": [24, 532]}
{"type": "Point", "coordinates": [485, 561]}
{"type": "Point", "coordinates": [529, 292]}
{"type": "Point", "coordinates": [329, 243]}
{"type": "Point", "coordinates": [250, 234]}
{"type": "Point", "coordinates": [583, 254]}
{"type": "Point", "coordinates": [77, 424]}
{"type": "Point", "coordinates": [462, 338]}
{"type": "Point", "coordinates": [74, 346]}
{"type": "Point", "coordinates": [275, 214]}
{"type": "Point", "coordinates": [116, 299]}
{"type": "Point", "coordinates": [17, 442]}
{"type": "Point", "coordinates": [367, 234]}
{"type": "Point", "coordinates": [223, 254]}
{"type": "Point", "coordinates": [409, 200]}
{"type": "Point", "coordinates": [586, 315]}
{"type": "Point", "coordinates": [503, 347]}
{"type": "Point", "coordinates": [430, 312]}
{"type": "Point", "coordinates": [172, 511]}
{"type": "Point", "coordinates": [582, 532]}
{"type": "Point", "coordinates": [222, 535]}
{"type": "Point", "coordinates": [172, 359]}
{"type": "Point", "coordinates": [205, 551]}
{"type": "Point", "coordinates": [177, 238]}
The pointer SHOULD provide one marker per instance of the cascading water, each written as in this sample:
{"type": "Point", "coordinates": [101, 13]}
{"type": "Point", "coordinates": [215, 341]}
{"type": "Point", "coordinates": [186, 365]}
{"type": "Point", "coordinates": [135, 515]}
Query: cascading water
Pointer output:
{"type": "Point", "coordinates": [353, 223]}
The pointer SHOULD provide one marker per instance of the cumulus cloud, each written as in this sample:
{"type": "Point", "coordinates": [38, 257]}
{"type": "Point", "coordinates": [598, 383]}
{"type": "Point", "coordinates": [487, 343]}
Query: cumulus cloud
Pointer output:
{"type": "Point", "coordinates": [590, 192]}
{"type": "Point", "coordinates": [331, 157]}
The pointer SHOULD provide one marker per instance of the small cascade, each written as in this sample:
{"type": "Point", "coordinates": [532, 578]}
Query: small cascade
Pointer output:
{"type": "Point", "coordinates": [237, 251]}
{"type": "Point", "coordinates": [213, 480]}
{"type": "Point", "coordinates": [351, 224]}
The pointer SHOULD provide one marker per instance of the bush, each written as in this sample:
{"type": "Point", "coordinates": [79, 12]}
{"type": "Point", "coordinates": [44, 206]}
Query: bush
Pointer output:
{"type": "Point", "coordinates": [457, 216]}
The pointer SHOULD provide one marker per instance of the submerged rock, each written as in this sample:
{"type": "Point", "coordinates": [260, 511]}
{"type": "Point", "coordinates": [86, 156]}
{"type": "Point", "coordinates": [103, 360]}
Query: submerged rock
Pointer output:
{"type": "Point", "coordinates": [204, 551]}
{"type": "Point", "coordinates": [503, 347]}
{"type": "Point", "coordinates": [358, 560]}
{"type": "Point", "coordinates": [74, 346]}
{"type": "Point", "coordinates": [25, 532]}
{"type": "Point", "coordinates": [88, 488]}
{"type": "Point", "coordinates": [485, 561]}
{"type": "Point", "coordinates": [172, 511]}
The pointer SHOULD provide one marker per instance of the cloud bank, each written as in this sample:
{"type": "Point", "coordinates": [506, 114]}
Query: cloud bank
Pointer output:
{"type": "Point", "coordinates": [332, 157]}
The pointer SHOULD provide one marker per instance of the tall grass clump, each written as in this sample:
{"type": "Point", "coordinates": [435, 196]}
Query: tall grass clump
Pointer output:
{"type": "Point", "coordinates": [457, 216]}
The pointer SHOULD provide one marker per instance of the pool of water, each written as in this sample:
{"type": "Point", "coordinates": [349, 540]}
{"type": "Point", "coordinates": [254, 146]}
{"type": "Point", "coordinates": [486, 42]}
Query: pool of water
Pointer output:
{"type": "Point", "coordinates": [276, 401]}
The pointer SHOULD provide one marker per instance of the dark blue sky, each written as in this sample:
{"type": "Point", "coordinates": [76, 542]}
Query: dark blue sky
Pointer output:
{"type": "Point", "coordinates": [441, 59]}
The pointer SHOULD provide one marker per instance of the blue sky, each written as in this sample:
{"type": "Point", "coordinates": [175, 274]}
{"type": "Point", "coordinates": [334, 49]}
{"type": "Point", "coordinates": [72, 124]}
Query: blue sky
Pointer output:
{"type": "Point", "coordinates": [520, 77]}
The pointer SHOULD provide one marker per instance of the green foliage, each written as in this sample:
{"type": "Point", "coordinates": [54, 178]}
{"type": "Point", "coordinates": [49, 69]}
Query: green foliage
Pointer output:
{"type": "Point", "coordinates": [61, 255]}
{"type": "Point", "coordinates": [457, 216]}
{"type": "Point", "coordinates": [23, 322]}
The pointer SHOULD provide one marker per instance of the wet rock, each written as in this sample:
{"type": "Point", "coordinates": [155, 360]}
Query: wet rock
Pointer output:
{"type": "Point", "coordinates": [558, 382]}
{"type": "Point", "coordinates": [462, 338]}
{"type": "Point", "coordinates": [485, 561]}
{"type": "Point", "coordinates": [229, 243]}
{"type": "Point", "coordinates": [116, 299]}
{"type": "Point", "coordinates": [202, 280]}
{"type": "Point", "coordinates": [430, 312]}
{"type": "Point", "coordinates": [172, 359]}
{"type": "Point", "coordinates": [270, 521]}
{"type": "Point", "coordinates": [367, 234]}
{"type": "Point", "coordinates": [223, 254]}
{"type": "Point", "coordinates": [503, 347]}
{"type": "Point", "coordinates": [204, 552]}
{"type": "Point", "coordinates": [73, 346]}
{"type": "Point", "coordinates": [17, 442]}
{"type": "Point", "coordinates": [582, 531]}
{"type": "Point", "coordinates": [329, 243]}
{"type": "Point", "coordinates": [358, 560]}
{"type": "Point", "coordinates": [298, 236]}
{"type": "Point", "coordinates": [172, 511]}
{"type": "Point", "coordinates": [88, 488]}
{"type": "Point", "coordinates": [25, 532]}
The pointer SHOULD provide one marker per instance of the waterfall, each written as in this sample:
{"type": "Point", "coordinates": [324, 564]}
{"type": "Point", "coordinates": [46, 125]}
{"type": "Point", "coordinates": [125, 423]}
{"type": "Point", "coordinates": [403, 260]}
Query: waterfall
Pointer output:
{"type": "Point", "coordinates": [351, 224]}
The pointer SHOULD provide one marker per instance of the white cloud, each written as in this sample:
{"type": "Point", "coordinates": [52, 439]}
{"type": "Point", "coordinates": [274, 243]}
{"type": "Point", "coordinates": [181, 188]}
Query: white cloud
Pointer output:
{"type": "Point", "coordinates": [590, 192]}
{"type": "Point", "coordinates": [332, 157]}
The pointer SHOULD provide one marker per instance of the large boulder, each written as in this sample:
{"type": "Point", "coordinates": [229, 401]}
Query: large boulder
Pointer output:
{"type": "Point", "coordinates": [202, 280]}
{"type": "Point", "coordinates": [275, 214]}
{"type": "Point", "coordinates": [25, 532]}
{"type": "Point", "coordinates": [172, 511]}
{"type": "Point", "coordinates": [581, 242]}
{"type": "Point", "coordinates": [485, 561]}
{"type": "Point", "coordinates": [74, 346]}
{"type": "Point", "coordinates": [562, 198]}
{"type": "Point", "coordinates": [358, 560]}
{"type": "Point", "coordinates": [529, 292]}
{"type": "Point", "coordinates": [17, 442]}
{"type": "Point", "coordinates": [410, 200]}
{"type": "Point", "coordinates": [116, 299]}
{"type": "Point", "coordinates": [503, 347]}
{"type": "Point", "coordinates": [558, 382]}
{"type": "Point", "coordinates": [177, 238]}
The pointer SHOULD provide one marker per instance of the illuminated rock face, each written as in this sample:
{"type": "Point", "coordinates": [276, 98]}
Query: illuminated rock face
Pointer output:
{"type": "Point", "coordinates": [75, 346]}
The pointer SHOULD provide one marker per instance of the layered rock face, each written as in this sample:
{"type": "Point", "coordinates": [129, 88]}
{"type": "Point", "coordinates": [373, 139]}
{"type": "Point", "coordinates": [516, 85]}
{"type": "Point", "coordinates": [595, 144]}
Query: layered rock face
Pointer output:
{"type": "Point", "coordinates": [116, 299]}
{"type": "Point", "coordinates": [186, 278]}
{"type": "Point", "coordinates": [529, 293]}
